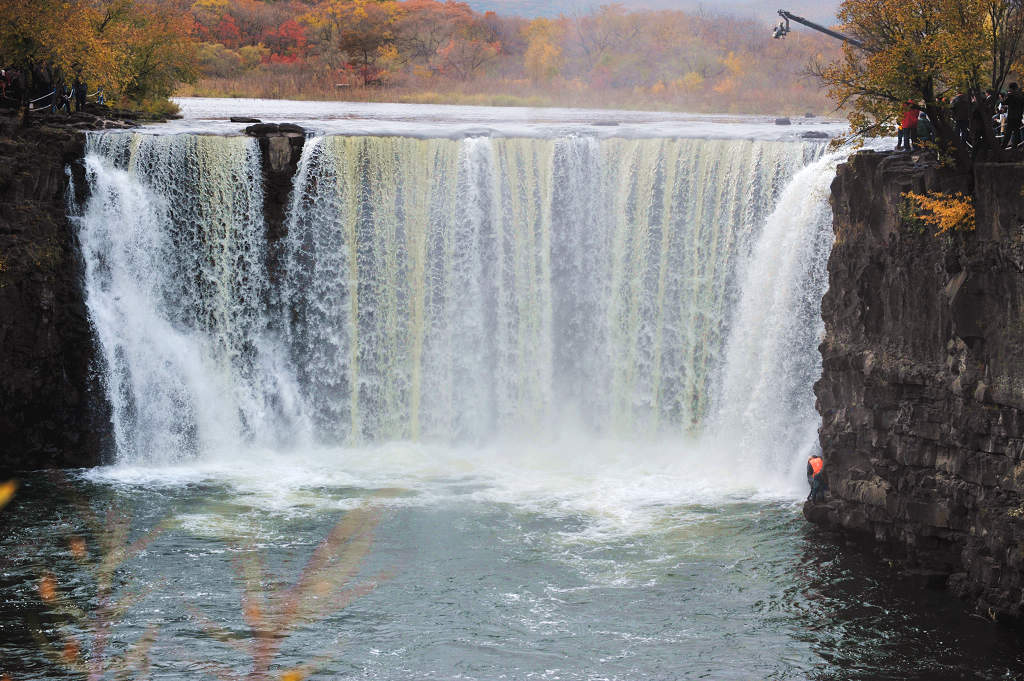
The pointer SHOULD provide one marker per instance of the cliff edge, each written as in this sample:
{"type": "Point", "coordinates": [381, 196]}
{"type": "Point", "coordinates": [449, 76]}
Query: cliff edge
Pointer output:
{"type": "Point", "coordinates": [922, 388]}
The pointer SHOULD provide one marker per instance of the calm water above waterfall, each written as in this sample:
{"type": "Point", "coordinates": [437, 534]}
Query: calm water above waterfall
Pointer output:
{"type": "Point", "coordinates": [553, 381]}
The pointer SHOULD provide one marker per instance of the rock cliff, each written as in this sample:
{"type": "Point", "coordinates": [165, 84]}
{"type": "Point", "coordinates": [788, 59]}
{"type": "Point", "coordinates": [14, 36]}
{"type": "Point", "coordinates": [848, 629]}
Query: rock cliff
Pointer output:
{"type": "Point", "coordinates": [46, 414]}
{"type": "Point", "coordinates": [922, 389]}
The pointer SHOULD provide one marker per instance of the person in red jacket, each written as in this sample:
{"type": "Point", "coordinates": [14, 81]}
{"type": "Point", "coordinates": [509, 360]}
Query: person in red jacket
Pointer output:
{"type": "Point", "coordinates": [908, 127]}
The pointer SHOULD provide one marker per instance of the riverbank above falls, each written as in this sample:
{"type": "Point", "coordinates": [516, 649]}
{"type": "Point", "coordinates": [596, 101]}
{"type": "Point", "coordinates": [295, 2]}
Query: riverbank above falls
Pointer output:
{"type": "Point", "coordinates": [921, 391]}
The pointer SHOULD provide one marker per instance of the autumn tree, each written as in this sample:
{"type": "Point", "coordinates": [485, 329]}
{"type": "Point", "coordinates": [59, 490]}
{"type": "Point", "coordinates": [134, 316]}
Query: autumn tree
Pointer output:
{"type": "Point", "coordinates": [44, 39]}
{"type": "Point", "coordinates": [136, 49]}
{"type": "Point", "coordinates": [158, 54]}
{"type": "Point", "coordinates": [604, 33]}
{"type": "Point", "coordinates": [464, 56]}
{"type": "Point", "coordinates": [544, 58]}
{"type": "Point", "coordinates": [426, 26]}
{"type": "Point", "coordinates": [922, 50]}
{"type": "Point", "coordinates": [289, 38]}
{"type": "Point", "coordinates": [359, 31]}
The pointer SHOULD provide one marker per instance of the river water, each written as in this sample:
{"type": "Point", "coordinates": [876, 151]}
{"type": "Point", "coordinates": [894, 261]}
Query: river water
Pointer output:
{"type": "Point", "coordinates": [520, 395]}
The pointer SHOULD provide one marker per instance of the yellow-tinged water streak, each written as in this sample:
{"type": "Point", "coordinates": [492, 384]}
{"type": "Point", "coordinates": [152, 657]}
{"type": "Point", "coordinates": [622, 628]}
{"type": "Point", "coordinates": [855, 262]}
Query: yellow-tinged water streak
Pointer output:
{"type": "Point", "coordinates": [466, 269]}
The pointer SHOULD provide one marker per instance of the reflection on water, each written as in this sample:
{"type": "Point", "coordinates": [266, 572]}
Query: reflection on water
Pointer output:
{"type": "Point", "coordinates": [482, 588]}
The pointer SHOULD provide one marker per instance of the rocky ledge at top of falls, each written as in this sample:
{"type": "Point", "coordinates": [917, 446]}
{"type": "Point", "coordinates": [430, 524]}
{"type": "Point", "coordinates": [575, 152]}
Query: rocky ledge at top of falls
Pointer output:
{"type": "Point", "coordinates": [922, 389]}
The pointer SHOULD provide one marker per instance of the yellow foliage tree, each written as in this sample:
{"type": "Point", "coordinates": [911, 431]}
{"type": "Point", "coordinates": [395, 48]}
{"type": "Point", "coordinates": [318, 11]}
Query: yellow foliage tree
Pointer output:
{"type": "Point", "coordinates": [60, 37]}
{"type": "Point", "coordinates": [543, 58]}
{"type": "Point", "coordinates": [944, 212]}
{"type": "Point", "coordinates": [355, 31]}
{"type": "Point", "coordinates": [690, 82]}
{"type": "Point", "coordinates": [921, 50]}
{"type": "Point", "coordinates": [135, 48]}
{"type": "Point", "coordinates": [733, 63]}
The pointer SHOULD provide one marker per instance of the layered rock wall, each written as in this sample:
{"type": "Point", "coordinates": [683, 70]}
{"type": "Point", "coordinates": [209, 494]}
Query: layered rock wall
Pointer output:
{"type": "Point", "coordinates": [922, 389]}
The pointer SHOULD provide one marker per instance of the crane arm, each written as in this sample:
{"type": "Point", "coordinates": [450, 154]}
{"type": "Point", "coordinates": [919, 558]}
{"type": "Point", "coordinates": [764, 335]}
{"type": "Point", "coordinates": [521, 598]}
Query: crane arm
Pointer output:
{"type": "Point", "coordinates": [789, 16]}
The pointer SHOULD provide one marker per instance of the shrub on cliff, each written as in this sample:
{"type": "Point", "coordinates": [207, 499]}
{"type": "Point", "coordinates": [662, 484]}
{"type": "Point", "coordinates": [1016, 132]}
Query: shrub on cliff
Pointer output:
{"type": "Point", "coordinates": [943, 212]}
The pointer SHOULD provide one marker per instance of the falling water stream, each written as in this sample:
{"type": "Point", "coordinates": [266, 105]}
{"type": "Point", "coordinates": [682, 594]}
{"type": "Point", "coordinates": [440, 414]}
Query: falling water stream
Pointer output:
{"type": "Point", "coordinates": [572, 373]}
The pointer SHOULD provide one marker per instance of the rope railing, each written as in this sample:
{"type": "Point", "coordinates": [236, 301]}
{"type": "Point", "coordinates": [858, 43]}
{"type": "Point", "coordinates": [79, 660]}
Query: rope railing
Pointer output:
{"type": "Point", "coordinates": [37, 108]}
{"type": "Point", "coordinates": [43, 97]}
{"type": "Point", "coordinates": [31, 105]}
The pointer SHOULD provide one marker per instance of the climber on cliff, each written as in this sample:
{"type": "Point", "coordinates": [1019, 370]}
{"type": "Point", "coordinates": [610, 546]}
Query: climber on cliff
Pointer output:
{"type": "Point", "coordinates": [816, 478]}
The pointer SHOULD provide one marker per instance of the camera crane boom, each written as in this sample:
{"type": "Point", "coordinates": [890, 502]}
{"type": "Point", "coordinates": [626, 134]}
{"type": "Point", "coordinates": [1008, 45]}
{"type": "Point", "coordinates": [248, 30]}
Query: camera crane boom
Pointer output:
{"type": "Point", "coordinates": [783, 28]}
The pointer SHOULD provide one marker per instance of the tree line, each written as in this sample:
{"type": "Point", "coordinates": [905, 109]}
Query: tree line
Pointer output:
{"type": "Point", "coordinates": [143, 51]}
{"type": "Point", "coordinates": [418, 49]}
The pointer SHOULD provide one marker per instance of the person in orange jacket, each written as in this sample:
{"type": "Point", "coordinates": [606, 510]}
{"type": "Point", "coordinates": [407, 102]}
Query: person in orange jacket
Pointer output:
{"type": "Point", "coordinates": [816, 478]}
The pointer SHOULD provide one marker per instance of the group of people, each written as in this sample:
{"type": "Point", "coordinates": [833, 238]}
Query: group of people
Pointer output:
{"type": "Point", "coordinates": [58, 96]}
{"type": "Point", "coordinates": [63, 96]}
{"type": "Point", "coordinates": [1003, 111]}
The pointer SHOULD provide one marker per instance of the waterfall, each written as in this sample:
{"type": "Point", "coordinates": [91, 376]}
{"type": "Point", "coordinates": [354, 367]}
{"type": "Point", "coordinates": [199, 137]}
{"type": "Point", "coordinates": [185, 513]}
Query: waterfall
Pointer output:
{"type": "Point", "coordinates": [452, 290]}
{"type": "Point", "coordinates": [766, 406]}
{"type": "Point", "coordinates": [177, 285]}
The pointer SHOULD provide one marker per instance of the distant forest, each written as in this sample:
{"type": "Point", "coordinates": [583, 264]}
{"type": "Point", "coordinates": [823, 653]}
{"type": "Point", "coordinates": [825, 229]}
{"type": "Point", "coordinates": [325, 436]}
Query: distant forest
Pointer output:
{"type": "Point", "coordinates": [445, 52]}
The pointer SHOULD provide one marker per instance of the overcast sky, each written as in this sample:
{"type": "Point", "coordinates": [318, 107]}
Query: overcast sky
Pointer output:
{"type": "Point", "coordinates": [822, 10]}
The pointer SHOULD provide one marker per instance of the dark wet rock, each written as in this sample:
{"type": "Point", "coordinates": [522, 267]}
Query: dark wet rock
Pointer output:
{"type": "Point", "coordinates": [49, 411]}
{"type": "Point", "coordinates": [244, 119]}
{"type": "Point", "coordinates": [275, 129]}
{"type": "Point", "coordinates": [921, 394]}
{"type": "Point", "coordinates": [783, 121]}
{"type": "Point", "coordinates": [815, 135]}
{"type": "Point", "coordinates": [280, 150]}
{"type": "Point", "coordinates": [262, 129]}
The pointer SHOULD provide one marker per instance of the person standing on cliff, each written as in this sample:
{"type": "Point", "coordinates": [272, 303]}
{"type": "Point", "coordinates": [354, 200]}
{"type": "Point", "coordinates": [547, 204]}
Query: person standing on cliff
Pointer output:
{"type": "Point", "coordinates": [816, 478]}
{"type": "Point", "coordinates": [1014, 111]}
{"type": "Point", "coordinates": [962, 115]}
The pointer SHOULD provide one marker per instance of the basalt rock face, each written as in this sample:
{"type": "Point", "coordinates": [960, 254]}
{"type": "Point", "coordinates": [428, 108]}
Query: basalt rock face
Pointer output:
{"type": "Point", "coordinates": [922, 389]}
{"type": "Point", "coordinates": [47, 414]}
